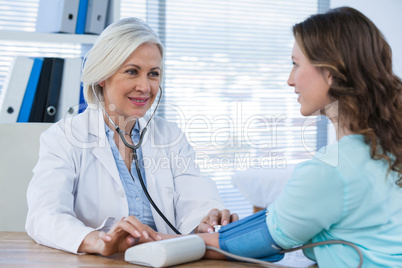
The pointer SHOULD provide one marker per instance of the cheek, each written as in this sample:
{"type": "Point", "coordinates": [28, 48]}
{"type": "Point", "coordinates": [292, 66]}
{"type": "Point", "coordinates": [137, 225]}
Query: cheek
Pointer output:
{"type": "Point", "coordinates": [155, 89]}
{"type": "Point", "coordinates": [298, 77]}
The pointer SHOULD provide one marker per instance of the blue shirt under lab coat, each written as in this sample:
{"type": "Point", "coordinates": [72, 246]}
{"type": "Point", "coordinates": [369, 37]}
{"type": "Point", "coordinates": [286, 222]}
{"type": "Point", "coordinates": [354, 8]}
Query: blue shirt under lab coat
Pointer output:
{"type": "Point", "coordinates": [138, 203]}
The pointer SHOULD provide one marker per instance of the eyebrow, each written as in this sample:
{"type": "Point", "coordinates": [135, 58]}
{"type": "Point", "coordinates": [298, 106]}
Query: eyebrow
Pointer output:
{"type": "Point", "coordinates": [138, 67]}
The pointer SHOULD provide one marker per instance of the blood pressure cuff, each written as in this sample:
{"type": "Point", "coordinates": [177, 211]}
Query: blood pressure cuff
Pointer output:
{"type": "Point", "coordinates": [250, 237]}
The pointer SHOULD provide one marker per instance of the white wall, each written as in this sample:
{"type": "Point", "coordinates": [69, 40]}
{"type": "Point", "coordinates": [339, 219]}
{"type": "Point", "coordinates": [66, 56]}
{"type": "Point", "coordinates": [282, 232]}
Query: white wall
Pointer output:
{"type": "Point", "coordinates": [387, 15]}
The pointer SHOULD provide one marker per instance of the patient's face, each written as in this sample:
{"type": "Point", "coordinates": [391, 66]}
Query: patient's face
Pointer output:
{"type": "Point", "coordinates": [310, 83]}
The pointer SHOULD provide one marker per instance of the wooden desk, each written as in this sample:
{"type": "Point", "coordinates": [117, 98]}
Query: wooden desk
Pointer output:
{"type": "Point", "coordinates": [17, 249]}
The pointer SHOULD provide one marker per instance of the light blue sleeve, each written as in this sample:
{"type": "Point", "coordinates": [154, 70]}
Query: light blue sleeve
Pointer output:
{"type": "Point", "coordinates": [311, 202]}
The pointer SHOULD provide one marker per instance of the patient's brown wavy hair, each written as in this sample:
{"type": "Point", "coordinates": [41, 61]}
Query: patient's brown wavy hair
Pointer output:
{"type": "Point", "coordinates": [369, 94]}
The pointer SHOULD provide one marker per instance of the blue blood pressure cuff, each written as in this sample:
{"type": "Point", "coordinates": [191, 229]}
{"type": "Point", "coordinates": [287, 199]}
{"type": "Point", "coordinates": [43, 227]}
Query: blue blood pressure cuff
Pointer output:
{"type": "Point", "coordinates": [250, 237]}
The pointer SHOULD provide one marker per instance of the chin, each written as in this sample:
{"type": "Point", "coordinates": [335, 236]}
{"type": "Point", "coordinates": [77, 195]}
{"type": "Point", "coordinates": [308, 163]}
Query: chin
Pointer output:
{"type": "Point", "coordinates": [303, 112]}
{"type": "Point", "coordinates": [309, 113]}
{"type": "Point", "coordinates": [138, 113]}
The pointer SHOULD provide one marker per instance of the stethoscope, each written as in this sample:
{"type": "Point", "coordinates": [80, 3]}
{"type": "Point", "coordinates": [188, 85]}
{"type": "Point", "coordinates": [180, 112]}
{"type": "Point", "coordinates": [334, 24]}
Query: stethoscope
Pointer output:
{"type": "Point", "coordinates": [134, 148]}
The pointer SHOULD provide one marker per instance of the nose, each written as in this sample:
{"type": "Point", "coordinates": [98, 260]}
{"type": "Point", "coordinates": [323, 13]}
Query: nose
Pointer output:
{"type": "Point", "coordinates": [291, 80]}
{"type": "Point", "coordinates": [143, 84]}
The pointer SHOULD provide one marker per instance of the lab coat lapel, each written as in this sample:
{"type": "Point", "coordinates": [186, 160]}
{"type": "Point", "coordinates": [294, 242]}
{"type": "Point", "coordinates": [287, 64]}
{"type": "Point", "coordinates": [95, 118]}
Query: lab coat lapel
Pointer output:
{"type": "Point", "coordinates": [103, 152]}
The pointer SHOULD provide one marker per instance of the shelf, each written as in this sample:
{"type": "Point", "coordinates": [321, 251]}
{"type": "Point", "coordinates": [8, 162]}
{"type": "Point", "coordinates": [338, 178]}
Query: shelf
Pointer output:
{"type": "Point", "coordinates": [48, 37]}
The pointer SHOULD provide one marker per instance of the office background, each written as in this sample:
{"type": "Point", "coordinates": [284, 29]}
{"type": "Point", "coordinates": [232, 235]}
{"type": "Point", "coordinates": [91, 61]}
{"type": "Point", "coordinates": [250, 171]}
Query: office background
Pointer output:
{"type": "Point", "coordinates": [227, 64]}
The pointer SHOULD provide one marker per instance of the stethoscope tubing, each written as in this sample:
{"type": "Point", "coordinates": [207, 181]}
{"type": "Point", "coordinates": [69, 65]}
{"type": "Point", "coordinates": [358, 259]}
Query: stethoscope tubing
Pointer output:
{"type": "Point", "coordinates": [134, 147]}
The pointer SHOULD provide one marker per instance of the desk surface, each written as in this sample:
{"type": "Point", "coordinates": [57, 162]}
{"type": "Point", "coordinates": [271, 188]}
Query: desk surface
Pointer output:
{"type": "Point", "coordinates": [17, 249]}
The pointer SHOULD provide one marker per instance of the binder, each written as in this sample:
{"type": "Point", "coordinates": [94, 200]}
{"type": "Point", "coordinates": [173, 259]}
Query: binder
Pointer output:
{"type": "Point", "coordinates": [81, 17]}
{"type": "Point", "coordinates": [83, 103]}
{"type": "Point", "coordinates": [14, 89]}
{"type": "Point", "coordinates": [53, 93]}
{"type": "Point", "coordinates": [96, 16]}
{"type": "Point", "coordinates": [70, 88]}
{"type": "Point", "coordinates": [57, 16]}
{"type": "Point", "coordinates": [30, 91]}
{"type": "Point", "coordinates": [113, 12]}
{"type": "Point", "coordinates": [38, 106]}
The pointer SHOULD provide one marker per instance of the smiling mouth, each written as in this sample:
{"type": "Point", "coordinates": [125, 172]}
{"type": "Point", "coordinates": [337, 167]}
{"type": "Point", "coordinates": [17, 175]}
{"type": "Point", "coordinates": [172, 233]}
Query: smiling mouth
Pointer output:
{"type": "Point", "coordinates": [139, 101]}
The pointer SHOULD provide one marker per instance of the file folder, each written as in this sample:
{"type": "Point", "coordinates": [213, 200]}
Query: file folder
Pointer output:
{"type": "Point", "coordinates": [15, 89]}
{"type": "Point", "coordinates": [30, 91]}
{"type": "Point", "coordinates": [39, 103]}
{"type": "Point", "coordinates": [81, 17]}
{"type": "Point", "coordinates": [96, 16]}
{"type": "Point", "coordinates": [70, 88]}
{"type": "Point", "coordinates": [57, 16]}
{"type": "Point", "coordinates": [54, 90]}
{"type": "Point", "coordinates": [83, 103]}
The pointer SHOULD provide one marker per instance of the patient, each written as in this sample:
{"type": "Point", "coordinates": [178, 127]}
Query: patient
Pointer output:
{"type": "Point", "coordinates": [342, 68]}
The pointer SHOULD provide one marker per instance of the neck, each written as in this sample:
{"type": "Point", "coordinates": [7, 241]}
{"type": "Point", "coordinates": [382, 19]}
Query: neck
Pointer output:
{"type": "Point", "coordinates": [340, 129]}
{"type": "Point", "coordinates": [125, 126]}
{"type": "Point", "coordinates": [331, 111]}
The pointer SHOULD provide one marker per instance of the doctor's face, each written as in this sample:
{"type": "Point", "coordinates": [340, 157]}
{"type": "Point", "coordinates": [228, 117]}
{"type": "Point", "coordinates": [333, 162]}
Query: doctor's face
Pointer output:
{"type": "Point", "coordinates": [310, 83]}
{"type": "Point", "coordinates": [132, 89]}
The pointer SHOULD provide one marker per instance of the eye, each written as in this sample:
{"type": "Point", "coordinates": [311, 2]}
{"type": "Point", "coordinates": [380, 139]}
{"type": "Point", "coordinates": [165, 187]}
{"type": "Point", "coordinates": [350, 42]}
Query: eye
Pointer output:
{"type": "Point", "coordinates": [154, 74]}
{"type": "Point", "coordinates": [132, 71]}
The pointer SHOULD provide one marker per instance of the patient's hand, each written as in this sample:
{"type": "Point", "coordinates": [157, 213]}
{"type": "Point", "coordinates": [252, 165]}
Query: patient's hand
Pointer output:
{"type": "Point", "coordinates": [215, 217]}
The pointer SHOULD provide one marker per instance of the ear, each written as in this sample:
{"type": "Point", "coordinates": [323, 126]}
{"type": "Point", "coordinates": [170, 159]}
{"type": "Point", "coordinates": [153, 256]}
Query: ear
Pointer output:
{"type": "Point", "coordinates": [328, 76]}
{"type": "Point", "coordinates": [102, 83]}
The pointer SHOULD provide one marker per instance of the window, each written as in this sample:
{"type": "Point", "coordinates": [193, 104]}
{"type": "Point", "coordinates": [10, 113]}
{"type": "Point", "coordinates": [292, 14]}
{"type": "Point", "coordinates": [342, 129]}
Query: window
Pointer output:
{"type": "Point", "coordinates": [227, 63]}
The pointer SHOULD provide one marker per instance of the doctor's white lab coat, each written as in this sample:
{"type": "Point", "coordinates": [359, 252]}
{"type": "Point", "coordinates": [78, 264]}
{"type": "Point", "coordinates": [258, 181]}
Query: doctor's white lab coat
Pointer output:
{"type": "Point", "coordinates": [76, 186]}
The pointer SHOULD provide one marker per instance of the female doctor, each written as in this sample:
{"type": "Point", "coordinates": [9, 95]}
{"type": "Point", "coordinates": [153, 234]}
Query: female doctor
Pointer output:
{"type": "Point", "coordinates": [86, 194]}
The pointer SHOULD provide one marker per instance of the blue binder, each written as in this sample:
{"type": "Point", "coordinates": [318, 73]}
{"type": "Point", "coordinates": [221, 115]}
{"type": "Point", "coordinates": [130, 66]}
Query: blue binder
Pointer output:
{"type": "Point", "coordinates": [83, 105]}
{"type": "Point", "coordinates": [30, 91]}
{"type": "Point", "coordinates": [81, 17]}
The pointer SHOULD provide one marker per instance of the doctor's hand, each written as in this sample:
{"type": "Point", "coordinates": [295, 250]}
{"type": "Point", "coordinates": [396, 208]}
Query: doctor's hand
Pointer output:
{"type": "Point", "coordinates": [215, 217]}
{"type": "Point", "coordinates": [124, 234]}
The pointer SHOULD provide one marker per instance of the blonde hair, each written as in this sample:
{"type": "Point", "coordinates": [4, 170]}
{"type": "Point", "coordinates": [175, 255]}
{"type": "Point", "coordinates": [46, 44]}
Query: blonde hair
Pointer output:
{"type": "Point", "coordinates": [111, 49]}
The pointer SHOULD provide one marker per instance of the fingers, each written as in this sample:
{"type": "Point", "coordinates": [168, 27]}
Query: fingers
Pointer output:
{"type": "Point", "coordinates": [234, 217]}
{"type": "Point", "coordinates": [136, 229]}
{"type": "Point", "coordinates": [225, 218]}
{"type": "Point", "coordinates": [146, 231]}
{"type": "Point", "coordinates": [125, 233]}
{"type": "Point", "coordinates": [216, 217]}
{"type": "Point", "coordinates": [131, 241]}
{"type": "Point", "coordinates": [222, 217]}
{"type": "Point", "coordinates": [104, 236]}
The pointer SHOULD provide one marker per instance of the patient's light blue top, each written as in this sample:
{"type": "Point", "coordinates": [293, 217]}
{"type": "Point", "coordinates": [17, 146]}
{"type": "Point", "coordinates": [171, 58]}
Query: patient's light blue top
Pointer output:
{"type": "Point", "coordinates": [138, 203]}
{"type": "Point", "coordinates": [341, 194]}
